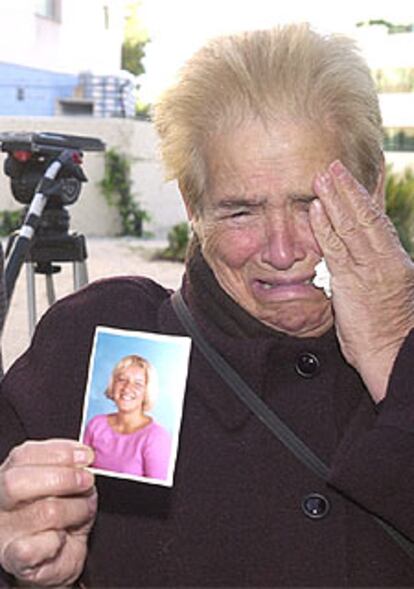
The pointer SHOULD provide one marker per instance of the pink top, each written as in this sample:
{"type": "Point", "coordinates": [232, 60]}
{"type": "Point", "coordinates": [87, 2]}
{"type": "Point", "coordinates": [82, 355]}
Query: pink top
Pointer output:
{"type": "Point", "coordinates": [145, 452]}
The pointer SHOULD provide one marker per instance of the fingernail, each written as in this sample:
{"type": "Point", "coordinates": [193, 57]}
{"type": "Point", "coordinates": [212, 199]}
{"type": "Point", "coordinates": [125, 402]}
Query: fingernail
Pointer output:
{"type": "Point", "coordinates": [337, 168]}
{"type": "Point", "coordinates": [27, 571]}
{"type": "Point", "coordinates": [93, 503]}
{"type": "Point", "coordinates": [84, 479]}
{"type": "Point", "coordinates": [82, 456]}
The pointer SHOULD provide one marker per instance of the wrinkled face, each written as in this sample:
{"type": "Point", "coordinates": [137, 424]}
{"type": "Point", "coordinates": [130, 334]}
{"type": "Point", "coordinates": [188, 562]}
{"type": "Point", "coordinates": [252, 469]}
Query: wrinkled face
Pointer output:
{"type": "Point", "coordinates": [128, 390]}
{"type": "Point", "coordinates": [254, 224]}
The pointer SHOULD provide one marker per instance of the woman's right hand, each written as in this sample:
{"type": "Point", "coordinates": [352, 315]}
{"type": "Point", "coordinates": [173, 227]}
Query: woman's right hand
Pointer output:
{"type": "Point", "coordinates": [48, 505]}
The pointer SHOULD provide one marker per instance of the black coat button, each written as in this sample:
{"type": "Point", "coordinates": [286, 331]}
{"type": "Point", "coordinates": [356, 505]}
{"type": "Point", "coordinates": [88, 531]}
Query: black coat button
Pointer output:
{"type": "Point", "coordinates": [315, 506]}
{"type": "Point", "coordinates": [307, 365]}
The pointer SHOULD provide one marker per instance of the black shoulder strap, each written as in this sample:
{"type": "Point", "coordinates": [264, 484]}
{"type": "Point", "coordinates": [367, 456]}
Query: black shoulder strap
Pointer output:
{"type": "Point", "coordinates": [268, 417]}
{"type": "Point", "coordinates": [246, 394]}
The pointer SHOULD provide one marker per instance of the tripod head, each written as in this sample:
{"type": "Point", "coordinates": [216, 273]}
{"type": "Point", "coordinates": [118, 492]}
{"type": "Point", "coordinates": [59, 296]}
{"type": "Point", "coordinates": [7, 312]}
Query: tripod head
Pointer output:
{"type": "Point", "coordinates": [30, 154]}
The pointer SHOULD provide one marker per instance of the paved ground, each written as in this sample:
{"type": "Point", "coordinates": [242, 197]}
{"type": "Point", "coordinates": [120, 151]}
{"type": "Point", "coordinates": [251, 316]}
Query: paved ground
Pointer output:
{"type": "Point", "coordinates": [106, 257]}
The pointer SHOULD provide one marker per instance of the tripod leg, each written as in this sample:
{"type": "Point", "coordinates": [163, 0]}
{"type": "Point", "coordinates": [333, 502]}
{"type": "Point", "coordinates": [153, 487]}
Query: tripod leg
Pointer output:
{"type": "Point", "coordinates": [80, 275]}
{"type": "Point", "coordinates": [50, 289]}
{"type": "Point", "coordinates": [31, 296]}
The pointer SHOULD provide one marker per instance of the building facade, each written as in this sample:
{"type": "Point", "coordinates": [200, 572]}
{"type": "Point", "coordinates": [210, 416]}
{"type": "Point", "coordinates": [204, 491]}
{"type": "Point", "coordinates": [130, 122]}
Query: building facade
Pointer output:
{"type": "Point", "coordinates": [389, 50]}
{"type": "Point", "coordinates": [63, 57]}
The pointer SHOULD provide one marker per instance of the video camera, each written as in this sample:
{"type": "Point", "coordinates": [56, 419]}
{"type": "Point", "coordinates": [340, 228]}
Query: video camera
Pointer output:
{"type": "Point", "coordinates": [30, 154]}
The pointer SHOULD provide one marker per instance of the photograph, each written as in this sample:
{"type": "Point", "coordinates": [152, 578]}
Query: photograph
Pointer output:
{"type": "Point", "coordinates": [133, 403]}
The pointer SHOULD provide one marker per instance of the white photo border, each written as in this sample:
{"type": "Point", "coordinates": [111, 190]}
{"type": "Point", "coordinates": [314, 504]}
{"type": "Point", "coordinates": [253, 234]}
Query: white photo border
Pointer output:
{"type": "Point", "coordinates": [181, 364]}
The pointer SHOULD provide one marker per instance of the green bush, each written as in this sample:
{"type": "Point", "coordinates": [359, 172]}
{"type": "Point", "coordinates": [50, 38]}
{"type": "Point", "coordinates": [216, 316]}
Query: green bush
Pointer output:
{"type": "Point", "coordinates": [10, 221]}
{"type": "Point", "coordinates": [178, 239]}
{"type": "Point", "coordinates": [399, 194]}
{"type": "Point", "coordinates": [116, 186]}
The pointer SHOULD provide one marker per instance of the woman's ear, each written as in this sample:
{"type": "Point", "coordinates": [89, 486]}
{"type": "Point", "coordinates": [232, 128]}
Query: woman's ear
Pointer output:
{"type": "Point", "coordinates": [379, 192]}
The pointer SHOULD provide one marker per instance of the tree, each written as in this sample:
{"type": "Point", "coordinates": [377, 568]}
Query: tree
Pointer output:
{"type": "Point", "coordinates": [392, 28]}
{"type": "Point", "coordinates": [133, 47]}
{"type": "Point", "coordinates": [135, 39]}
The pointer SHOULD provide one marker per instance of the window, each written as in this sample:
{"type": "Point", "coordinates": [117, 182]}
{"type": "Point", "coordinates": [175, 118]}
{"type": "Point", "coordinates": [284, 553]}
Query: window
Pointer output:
{"type": "Point", "coordinates": [48, 9]}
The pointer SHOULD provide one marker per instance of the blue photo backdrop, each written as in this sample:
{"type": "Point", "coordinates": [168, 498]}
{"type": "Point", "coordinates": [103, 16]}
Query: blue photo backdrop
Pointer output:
{"type": "Point", "coordinates": [169, 355]}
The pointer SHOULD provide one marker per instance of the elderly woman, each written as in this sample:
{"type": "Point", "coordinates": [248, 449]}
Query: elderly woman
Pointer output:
{"type": "Point", "coordinates": [275, 140]}
{"type": "Point", "coordinates": [129, 440]}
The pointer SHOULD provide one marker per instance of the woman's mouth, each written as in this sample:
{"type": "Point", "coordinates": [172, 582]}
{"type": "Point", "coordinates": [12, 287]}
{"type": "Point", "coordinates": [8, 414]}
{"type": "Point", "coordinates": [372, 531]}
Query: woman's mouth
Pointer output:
{"type": "Point", "coordinates": [127, 397]}
{"type": "Point", "coordinates": [283, 288]}
{"type": "Point", "coordinates": [272, 285]}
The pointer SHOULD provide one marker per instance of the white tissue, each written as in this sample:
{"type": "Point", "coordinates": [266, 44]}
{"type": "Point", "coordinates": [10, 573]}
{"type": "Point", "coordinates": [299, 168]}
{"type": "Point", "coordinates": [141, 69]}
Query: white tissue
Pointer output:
{"type": "Point", "coordinates": [322, 278]}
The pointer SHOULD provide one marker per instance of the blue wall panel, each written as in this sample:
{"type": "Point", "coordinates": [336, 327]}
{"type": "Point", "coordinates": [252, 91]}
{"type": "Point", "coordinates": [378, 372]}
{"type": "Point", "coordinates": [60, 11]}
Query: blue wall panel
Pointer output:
{"type": "Point", "coordinates": [32, 92]}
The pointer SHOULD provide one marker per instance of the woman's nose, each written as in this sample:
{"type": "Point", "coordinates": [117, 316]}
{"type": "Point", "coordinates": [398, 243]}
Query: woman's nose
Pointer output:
{"type": "Point", "coordinates": [282, 246]}
{"type": "Point", "coordinates": [127, 386]}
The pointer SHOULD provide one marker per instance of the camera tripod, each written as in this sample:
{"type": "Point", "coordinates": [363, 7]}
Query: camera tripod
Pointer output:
{"type": "Point", "coordinates": [51, 246]}
{"type": "Point", "coordinates": [43, 255]}
{"type": "Point", "coordinates": [46, 174]}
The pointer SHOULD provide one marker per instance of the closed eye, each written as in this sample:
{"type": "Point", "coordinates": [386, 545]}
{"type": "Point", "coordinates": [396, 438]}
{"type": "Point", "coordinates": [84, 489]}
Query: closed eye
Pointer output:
{"type": "Point", "coordinates": [303, 202]}
{"type": "Point", "coordinates": [239, 210]}
{"type": "Point", "coordinates": [240, 213]}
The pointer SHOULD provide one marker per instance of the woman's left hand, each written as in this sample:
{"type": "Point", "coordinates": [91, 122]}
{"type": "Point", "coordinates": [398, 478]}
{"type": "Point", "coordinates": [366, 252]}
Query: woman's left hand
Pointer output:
{"type": "Point", "coordinates": [372, 277]}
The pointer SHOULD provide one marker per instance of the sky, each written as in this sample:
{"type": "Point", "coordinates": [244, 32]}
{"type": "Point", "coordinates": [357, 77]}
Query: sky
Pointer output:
{"type": "Point", "coordinates": [178, 27]}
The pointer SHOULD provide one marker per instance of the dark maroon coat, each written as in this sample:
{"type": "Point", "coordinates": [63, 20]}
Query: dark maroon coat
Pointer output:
{"type": "Point", "coordinates": [236, 514]}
